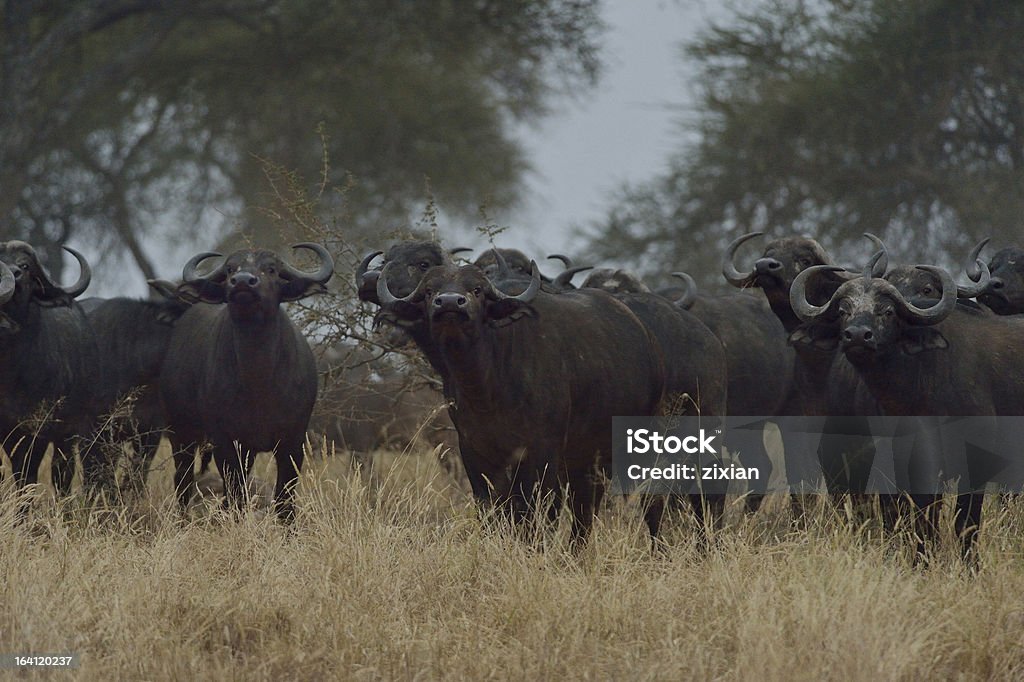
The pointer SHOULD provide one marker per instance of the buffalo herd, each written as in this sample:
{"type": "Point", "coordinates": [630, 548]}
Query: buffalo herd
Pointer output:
{"type": "Point", "coordinates": [532, 368]}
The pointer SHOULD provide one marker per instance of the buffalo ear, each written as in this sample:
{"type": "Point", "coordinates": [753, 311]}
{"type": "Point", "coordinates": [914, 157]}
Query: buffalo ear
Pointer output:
{"type": "Point", "coordinates": [819, 337]}
{"type": "Point", "coordinates": [201, 291]}
{"type": "Point", "coordinates": [506, 311]}
{"type": "Point", "coordinates": [298, 288]}
{"type": "Point", "coordinates": [918, 340]}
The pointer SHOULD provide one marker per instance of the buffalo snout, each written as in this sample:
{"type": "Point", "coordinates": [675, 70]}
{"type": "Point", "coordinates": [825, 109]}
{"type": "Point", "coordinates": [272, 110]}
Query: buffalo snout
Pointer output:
{"type": "Point", "coordinates": [243, 279]}
{"type": "Point", "coordinates": [450, 302]}
{"type": "Point", "coordinates": [860, 336]}
{"type": "Point", "coordinates": [767, 266]}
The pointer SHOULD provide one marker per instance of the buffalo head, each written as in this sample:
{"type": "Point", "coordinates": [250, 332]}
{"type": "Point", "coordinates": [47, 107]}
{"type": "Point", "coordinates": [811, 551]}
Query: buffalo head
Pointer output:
{"type": "Point", "coordinates": [511, 270]}
{"type": "Point", "coordinates": [1004, 293]}
{"type": "Point", "coordinates": [872, 318]}
{"type": "Point", "coordinates": [254, 282]}
{"type": "Point", "coordinates": [24, 282]}
{"type": "Point", "coordinates": [459, 299]}
{"type": "Point", "coordinates": [615, 281]}
{"type": "Point", "coordinates": [405, 264]}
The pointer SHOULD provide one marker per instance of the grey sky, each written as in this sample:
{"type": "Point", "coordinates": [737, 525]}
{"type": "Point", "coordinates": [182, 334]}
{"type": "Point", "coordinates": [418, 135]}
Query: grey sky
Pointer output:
{"type": "Point", "coordinates": [624, 131]}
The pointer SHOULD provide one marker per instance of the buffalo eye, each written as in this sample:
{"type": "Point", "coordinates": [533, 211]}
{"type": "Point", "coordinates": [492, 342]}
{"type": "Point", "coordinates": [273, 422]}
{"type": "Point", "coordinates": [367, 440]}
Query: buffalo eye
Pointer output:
{"type": "Point", "coordinates": [424, 266]}
{"type": "Point", "coordinates": [927, 290]}
{"type": "Point", "coordinates": [477, 291]}
{"type": "Point", "coordinates": [888, 312]}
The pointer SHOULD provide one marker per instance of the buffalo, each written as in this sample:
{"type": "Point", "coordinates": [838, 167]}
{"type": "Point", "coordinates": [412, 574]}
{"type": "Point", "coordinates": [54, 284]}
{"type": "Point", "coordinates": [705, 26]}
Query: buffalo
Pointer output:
{"type": "Point", "coordinates": [133, 336]}
{"type": "Point", "coordinates": [509, 269]}
{"type": "Point", "coordinates": [919, 359]}
{"type": "Point", "coordinates": [533, 406]}
{"type": "Point", "coordinates": [1004, 293]}
{"type": "Point", "coordinates": [50, 380]}
{"type": "Point", "coordinates": [238, 374]}
{"type": "Point", "coordinates": [755, 351]}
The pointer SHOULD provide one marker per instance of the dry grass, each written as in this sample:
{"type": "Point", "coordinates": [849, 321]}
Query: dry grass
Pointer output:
{"type": "Point", "coordinates": [400, 579]}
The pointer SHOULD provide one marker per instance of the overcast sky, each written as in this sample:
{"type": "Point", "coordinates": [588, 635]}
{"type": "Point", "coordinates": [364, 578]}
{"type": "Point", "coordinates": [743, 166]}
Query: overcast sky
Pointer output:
{"type": "Point", "coordinates": [623, 131]}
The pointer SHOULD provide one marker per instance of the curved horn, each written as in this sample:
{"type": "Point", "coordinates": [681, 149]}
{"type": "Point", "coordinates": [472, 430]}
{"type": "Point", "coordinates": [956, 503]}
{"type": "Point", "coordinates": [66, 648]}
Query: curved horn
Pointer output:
{"type": "Point", "coordinates": [526, 296]}
{"type": "Point", "coordinates": [188, 273]}
{"type": "Point", "coordinates": [326, 264]}
{"type": "Point", "coordinates": [981, 282]}
{"type": "Point", "coordinates": [805, 310]}
{"type": "Point", "coordinates": [364, 265]}
{"type": "Point", "coordinates": [6, 283]}
{"type": "Point", "coordinates": [972, 269]}
{"type": "Point", "coordinates": [872, 268]}
{"type": "Point", "coordinates": [84, 278]}
{"type": "Point", "coordinates": [883, 260]}
{"type": "Point", "coordinates": [564, 277]}
{"type": "Point", "coordinates": [936, 313]}
{"type": "Point", "coordinates": [458, 250]}
{"type": "Point", "coordinates": [566, 261]}
{"type": "Point", "coordinates": [386, 298]}
{"type": "Point", "coordinates": [729, 271]}
{"type": "Point", "coordinates": [689, 291]}
{"type": "Point", "coordinates": [504, 270]}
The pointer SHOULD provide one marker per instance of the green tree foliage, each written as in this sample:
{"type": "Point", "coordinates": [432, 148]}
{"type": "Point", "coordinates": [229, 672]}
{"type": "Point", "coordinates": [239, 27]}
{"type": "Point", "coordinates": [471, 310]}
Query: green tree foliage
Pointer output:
{"type": "Point", "coordinates": [125, 118]}
{"type": "Point", "coordinates": [900, 117]}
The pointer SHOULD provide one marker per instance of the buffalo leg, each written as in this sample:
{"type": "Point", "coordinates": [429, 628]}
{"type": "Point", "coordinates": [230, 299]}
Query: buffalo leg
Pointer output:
{"type": "Point", "coordinates": [967, 522]}
{"type": "Point", "coordinates": [234, 464]}
{"type": "Point", "coordinates": [289, 464]}
{"type": "Point", "coordinates": [62, 467]}
{"type": "Point", "coordinates": [25, 460]}
{"type": "Point", "coordinates": [585, 497]}
{"type": "Point", "coordinates": [146, 445]}
{"type": "Point", "coordinates": [184, 475]}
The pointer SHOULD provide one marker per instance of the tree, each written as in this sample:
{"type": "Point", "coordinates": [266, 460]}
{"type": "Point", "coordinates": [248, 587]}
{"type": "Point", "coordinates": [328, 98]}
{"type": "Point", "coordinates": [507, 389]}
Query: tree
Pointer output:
{"type": "Point", "coordinates": [900, 117]}
{"type": "Point", "coordinates": [124, 120]}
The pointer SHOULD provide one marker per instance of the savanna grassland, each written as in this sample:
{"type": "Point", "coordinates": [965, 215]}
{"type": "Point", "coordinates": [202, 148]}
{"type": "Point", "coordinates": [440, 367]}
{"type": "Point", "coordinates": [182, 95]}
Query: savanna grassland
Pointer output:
{"type": "Point", "coordinates": [395, 576]}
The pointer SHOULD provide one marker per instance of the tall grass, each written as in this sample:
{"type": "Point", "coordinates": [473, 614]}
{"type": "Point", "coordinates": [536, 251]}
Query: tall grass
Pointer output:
{"type": "Point", "coordinates": [397, 577]}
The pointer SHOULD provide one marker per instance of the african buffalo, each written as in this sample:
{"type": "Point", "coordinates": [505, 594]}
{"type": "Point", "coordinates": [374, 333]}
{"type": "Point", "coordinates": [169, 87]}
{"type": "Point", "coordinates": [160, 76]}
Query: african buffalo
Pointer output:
{"type": "Point", "coordinates": [937, 359]}
{"type": "Point", "coordinates": [133, 336]}
{"type": "Point", "coordinates": [238, 374]}
{"type": "Point", "coordinates": [758, 361]}
{"type": "Point", "coordinates": [1004, 293]}
{"type": "Point", "coordinates": [509, 269]}
{"type": "Point", "coordinates": [50, 377]}
{"type": "Point", "coordinates": [533, 405]}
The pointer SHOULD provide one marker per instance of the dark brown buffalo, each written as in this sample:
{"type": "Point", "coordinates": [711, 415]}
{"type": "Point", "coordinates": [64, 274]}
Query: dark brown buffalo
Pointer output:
{"type": "Point", "coordinates": [509, 269]}
{"type": "Point", "coordinates": [238, 374]}
{"type": "Point", "coordinates": [937, 358]}
{"type": "Point", "coordinates": [533, 405]}
{"type": "Point", "coordinates": [50, 381]}
{"type": "Point", "coordinates": [1004, 293]}
{"type": "Point", "coordinates": [758, 361]}
{"type": "Point", "coordinates": [133, 336]}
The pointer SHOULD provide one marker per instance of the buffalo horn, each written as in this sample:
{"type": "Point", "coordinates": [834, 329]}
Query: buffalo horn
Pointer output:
{"type": "Point", "coordinates": [729, 271]}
